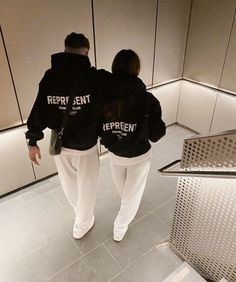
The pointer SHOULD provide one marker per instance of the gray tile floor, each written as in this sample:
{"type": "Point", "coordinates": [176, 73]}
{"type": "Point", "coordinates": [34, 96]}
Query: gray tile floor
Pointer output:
{"type": "Point", "coordinates": [35, 229]}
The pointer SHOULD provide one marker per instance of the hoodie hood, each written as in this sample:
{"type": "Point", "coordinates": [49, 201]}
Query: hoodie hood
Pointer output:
{"type": "Point", "coordinates": [69, 62]}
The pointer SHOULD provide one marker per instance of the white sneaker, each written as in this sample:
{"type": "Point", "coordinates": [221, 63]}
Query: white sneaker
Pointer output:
{"type": "Point", "coordinates": [80, 230]}
{"type": "Point", "coordinates": [119, 233]}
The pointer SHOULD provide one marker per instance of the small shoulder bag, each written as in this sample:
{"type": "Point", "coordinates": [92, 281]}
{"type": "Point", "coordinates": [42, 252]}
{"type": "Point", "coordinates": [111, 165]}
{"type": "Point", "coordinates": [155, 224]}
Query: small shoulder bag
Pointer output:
{"type": "Point", "coordinates": [56, 137]}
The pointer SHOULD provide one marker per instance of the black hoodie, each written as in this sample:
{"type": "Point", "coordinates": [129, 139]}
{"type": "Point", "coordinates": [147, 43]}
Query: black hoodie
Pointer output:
{"type": "Point", "coordinates": [120, 127]}
{"type": "Point", "coordinates": [95, 87]}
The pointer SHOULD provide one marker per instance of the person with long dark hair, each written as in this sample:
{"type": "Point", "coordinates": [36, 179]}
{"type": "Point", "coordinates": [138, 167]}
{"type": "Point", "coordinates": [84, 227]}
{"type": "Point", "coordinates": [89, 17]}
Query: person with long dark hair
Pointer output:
{"type": "Point", "coordinates": [128, 123]}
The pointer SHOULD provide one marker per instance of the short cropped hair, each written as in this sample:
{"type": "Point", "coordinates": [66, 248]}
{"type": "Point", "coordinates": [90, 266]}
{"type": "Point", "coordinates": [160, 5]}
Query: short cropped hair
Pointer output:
{"type": "Point", "coordinates": [76, 41]}
{"type": "Point", "coordinates": [126, 61]}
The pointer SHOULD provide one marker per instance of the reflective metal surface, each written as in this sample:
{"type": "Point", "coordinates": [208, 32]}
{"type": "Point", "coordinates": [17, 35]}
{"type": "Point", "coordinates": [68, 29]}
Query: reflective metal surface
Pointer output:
{"type": "Point", "coordinates": [164, 171]}
{"type": "Point", "coordinates": [204, 225]}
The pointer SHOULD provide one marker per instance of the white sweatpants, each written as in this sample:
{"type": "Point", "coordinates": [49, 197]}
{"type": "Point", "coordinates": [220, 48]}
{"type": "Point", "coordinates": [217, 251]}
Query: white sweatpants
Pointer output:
{"type": "Point", "coordinates": [78, 175]}
{"type": "Point", "coordinates": [130, 182]}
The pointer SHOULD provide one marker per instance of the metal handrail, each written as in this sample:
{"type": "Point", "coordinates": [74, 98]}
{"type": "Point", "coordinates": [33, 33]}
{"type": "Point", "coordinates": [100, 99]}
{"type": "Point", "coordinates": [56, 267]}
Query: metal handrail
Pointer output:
{"type": "Point", "coordinates": [196, 173]}
{"type": "Point", "coordinates": [203, 136]}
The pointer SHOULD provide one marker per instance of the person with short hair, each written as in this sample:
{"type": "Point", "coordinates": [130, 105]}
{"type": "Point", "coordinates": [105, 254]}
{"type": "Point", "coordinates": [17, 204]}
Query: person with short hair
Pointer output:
{"type": "Point", "coordinates": [77, 43]}
{"type": "Point", "coordinates": [123, 134]}
{"type": "Point", "coordinates": [78, 162]}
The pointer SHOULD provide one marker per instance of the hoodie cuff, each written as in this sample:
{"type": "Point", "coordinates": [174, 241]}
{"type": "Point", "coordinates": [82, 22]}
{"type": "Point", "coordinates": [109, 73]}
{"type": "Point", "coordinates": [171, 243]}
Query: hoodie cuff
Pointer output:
{"type": "Point", "coordinates": [32, 142]}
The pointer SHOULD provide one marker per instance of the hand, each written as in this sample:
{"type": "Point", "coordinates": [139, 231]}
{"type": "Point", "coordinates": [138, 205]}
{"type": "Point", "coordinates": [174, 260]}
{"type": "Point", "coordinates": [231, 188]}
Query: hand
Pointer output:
{"type": "Point", "coordinates": [34, 154]}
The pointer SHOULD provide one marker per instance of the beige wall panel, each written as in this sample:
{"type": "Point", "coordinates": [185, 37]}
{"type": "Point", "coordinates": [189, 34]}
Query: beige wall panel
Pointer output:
{"type": "Point", "coordinates": [47, 165]}
{"type": "Point", "coordinates": [8, 107]}
{"type": "Point", "coordinates": [172, 26]}
{"type": "Point", "coordinates": [15, 167]}
{"type": "Point", "coordinates": [33, 31]}
{"type": "Point", "coordinates": [168, 95]}
{"type": "Point", "coordinates": [196, 106]}
{"type": "Point", "coordinates": [225, 113]}
{"type": "Point", "coordinates": [229, 75]}
{"type": "Point", "coordinates": [126, 24]}
{"type": "Point", "coordinates": [210, 26]}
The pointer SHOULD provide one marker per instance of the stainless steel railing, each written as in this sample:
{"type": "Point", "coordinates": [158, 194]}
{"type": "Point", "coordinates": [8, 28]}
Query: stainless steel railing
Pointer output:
{"type": "Point", "coordinates": [203, 232]}
{"type": "Point", "coordinates": [165, 171]}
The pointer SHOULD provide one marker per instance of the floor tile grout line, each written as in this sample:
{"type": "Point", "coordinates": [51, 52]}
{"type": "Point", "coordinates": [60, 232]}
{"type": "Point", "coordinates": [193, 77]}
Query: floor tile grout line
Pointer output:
{"type": "Point", "coordinates": [73, 241]}
{"type": "Point", "coordinates": [132, 263]}
{"type": "Point", "coordinates": [102, 244]}
{"type": "Point", "coordinates": [54, 212]}
{"type": "Point", "coordinates": [4, 209]}
{"type": "Point", "coordinates": [60, 208]}
{"type": "Point", "coordinates": [161, 220]}
{"type": "Point", "coordinates": [24, 202]}
{"type": "Point", "coordinates": [145, 215]}
{"type": "Point", "coordinates": [48, 241]}
{"type": "Point", "coordinates": [151, 211]}
{"type": "Point", "coordinates": [139, 219]}
{"type": "Point", "coordinates": [39, 195]}
{"type": "Point", "coordinates": [163, 204]}
{"type": "Point", "coordinates": [38, 248]}
{"type": "Point", "coordinates": [108, 239]}
{"type": "Point", "coordinates": [170, 189]}
{"type": "Point", "coordinates": [77, 259]}
{"type": "Point", "coordinates": [34, 251]}
{"type": "Point", "coordinates": [90, 251]}
{"type": "Point", "coordinates": [34, 198]}
{"type": "Point", "coordinates": [112, 256]}
{"type": "Point", "coordinates": [24, 206]}
{"type": "Point", "coordinates": [60, 204]}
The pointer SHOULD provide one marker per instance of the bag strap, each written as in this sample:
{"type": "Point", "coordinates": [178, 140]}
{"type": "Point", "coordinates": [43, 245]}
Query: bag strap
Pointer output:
{"type": "Point", "coordinates": [68, 108]}
{"type": "Point", "coordinates": [146, 113]}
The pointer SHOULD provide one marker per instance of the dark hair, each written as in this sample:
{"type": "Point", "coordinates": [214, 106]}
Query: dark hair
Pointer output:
{"type": "Point", "coordinates": [126, 61]}
{"type": "Point", "coordinates": [76, 40]}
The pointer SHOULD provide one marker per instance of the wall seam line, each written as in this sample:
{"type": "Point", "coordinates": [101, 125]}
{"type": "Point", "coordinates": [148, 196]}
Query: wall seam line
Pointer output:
{"type": "Point", "coordinates": [11, 74]}
{"type": "Point", "coordinates": [187, 38]}
{"type": "Point", "coordinates": [222, 72]}
{"type": "Point", "coordinates": [227, 48]}
{"type": "Point", "coordinates": [155, 40]}
{"type": "Point", "coordinates": [212, 118]}
{"type": "Point", "coordinates": [177, 110]}
{"type": "Point", "coordinates": [184, 58]}
{"type": "Point", "coordinates": [94, 34]}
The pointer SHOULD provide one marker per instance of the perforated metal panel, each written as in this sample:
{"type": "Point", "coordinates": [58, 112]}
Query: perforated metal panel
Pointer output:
{"type": "Point", "coordinates": [204, 225]}
{"type": "Point", "coordinates": [210, 151]}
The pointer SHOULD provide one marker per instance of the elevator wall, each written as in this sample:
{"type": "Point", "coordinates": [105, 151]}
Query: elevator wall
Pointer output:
{"type": "Point", "coordinates": [207, 97]}
{"type": "Point", "coordinates": [32, 30]}
{"type": "Point", "coordinates": [187, 49]}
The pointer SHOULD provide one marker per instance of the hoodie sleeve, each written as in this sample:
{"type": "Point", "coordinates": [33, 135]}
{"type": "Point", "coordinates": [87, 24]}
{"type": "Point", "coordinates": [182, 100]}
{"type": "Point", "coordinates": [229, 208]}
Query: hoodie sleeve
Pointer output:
{"type": "Point", "coordinates": [37, 120]}
{"type": "Point", "coordinates": [157, 127]}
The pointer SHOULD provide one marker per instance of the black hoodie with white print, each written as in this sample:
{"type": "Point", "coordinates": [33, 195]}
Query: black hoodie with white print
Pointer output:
{"type": "Point", "coordinates": [122, 120]}
{"type": "Point", "coordinates": [94, 89]}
